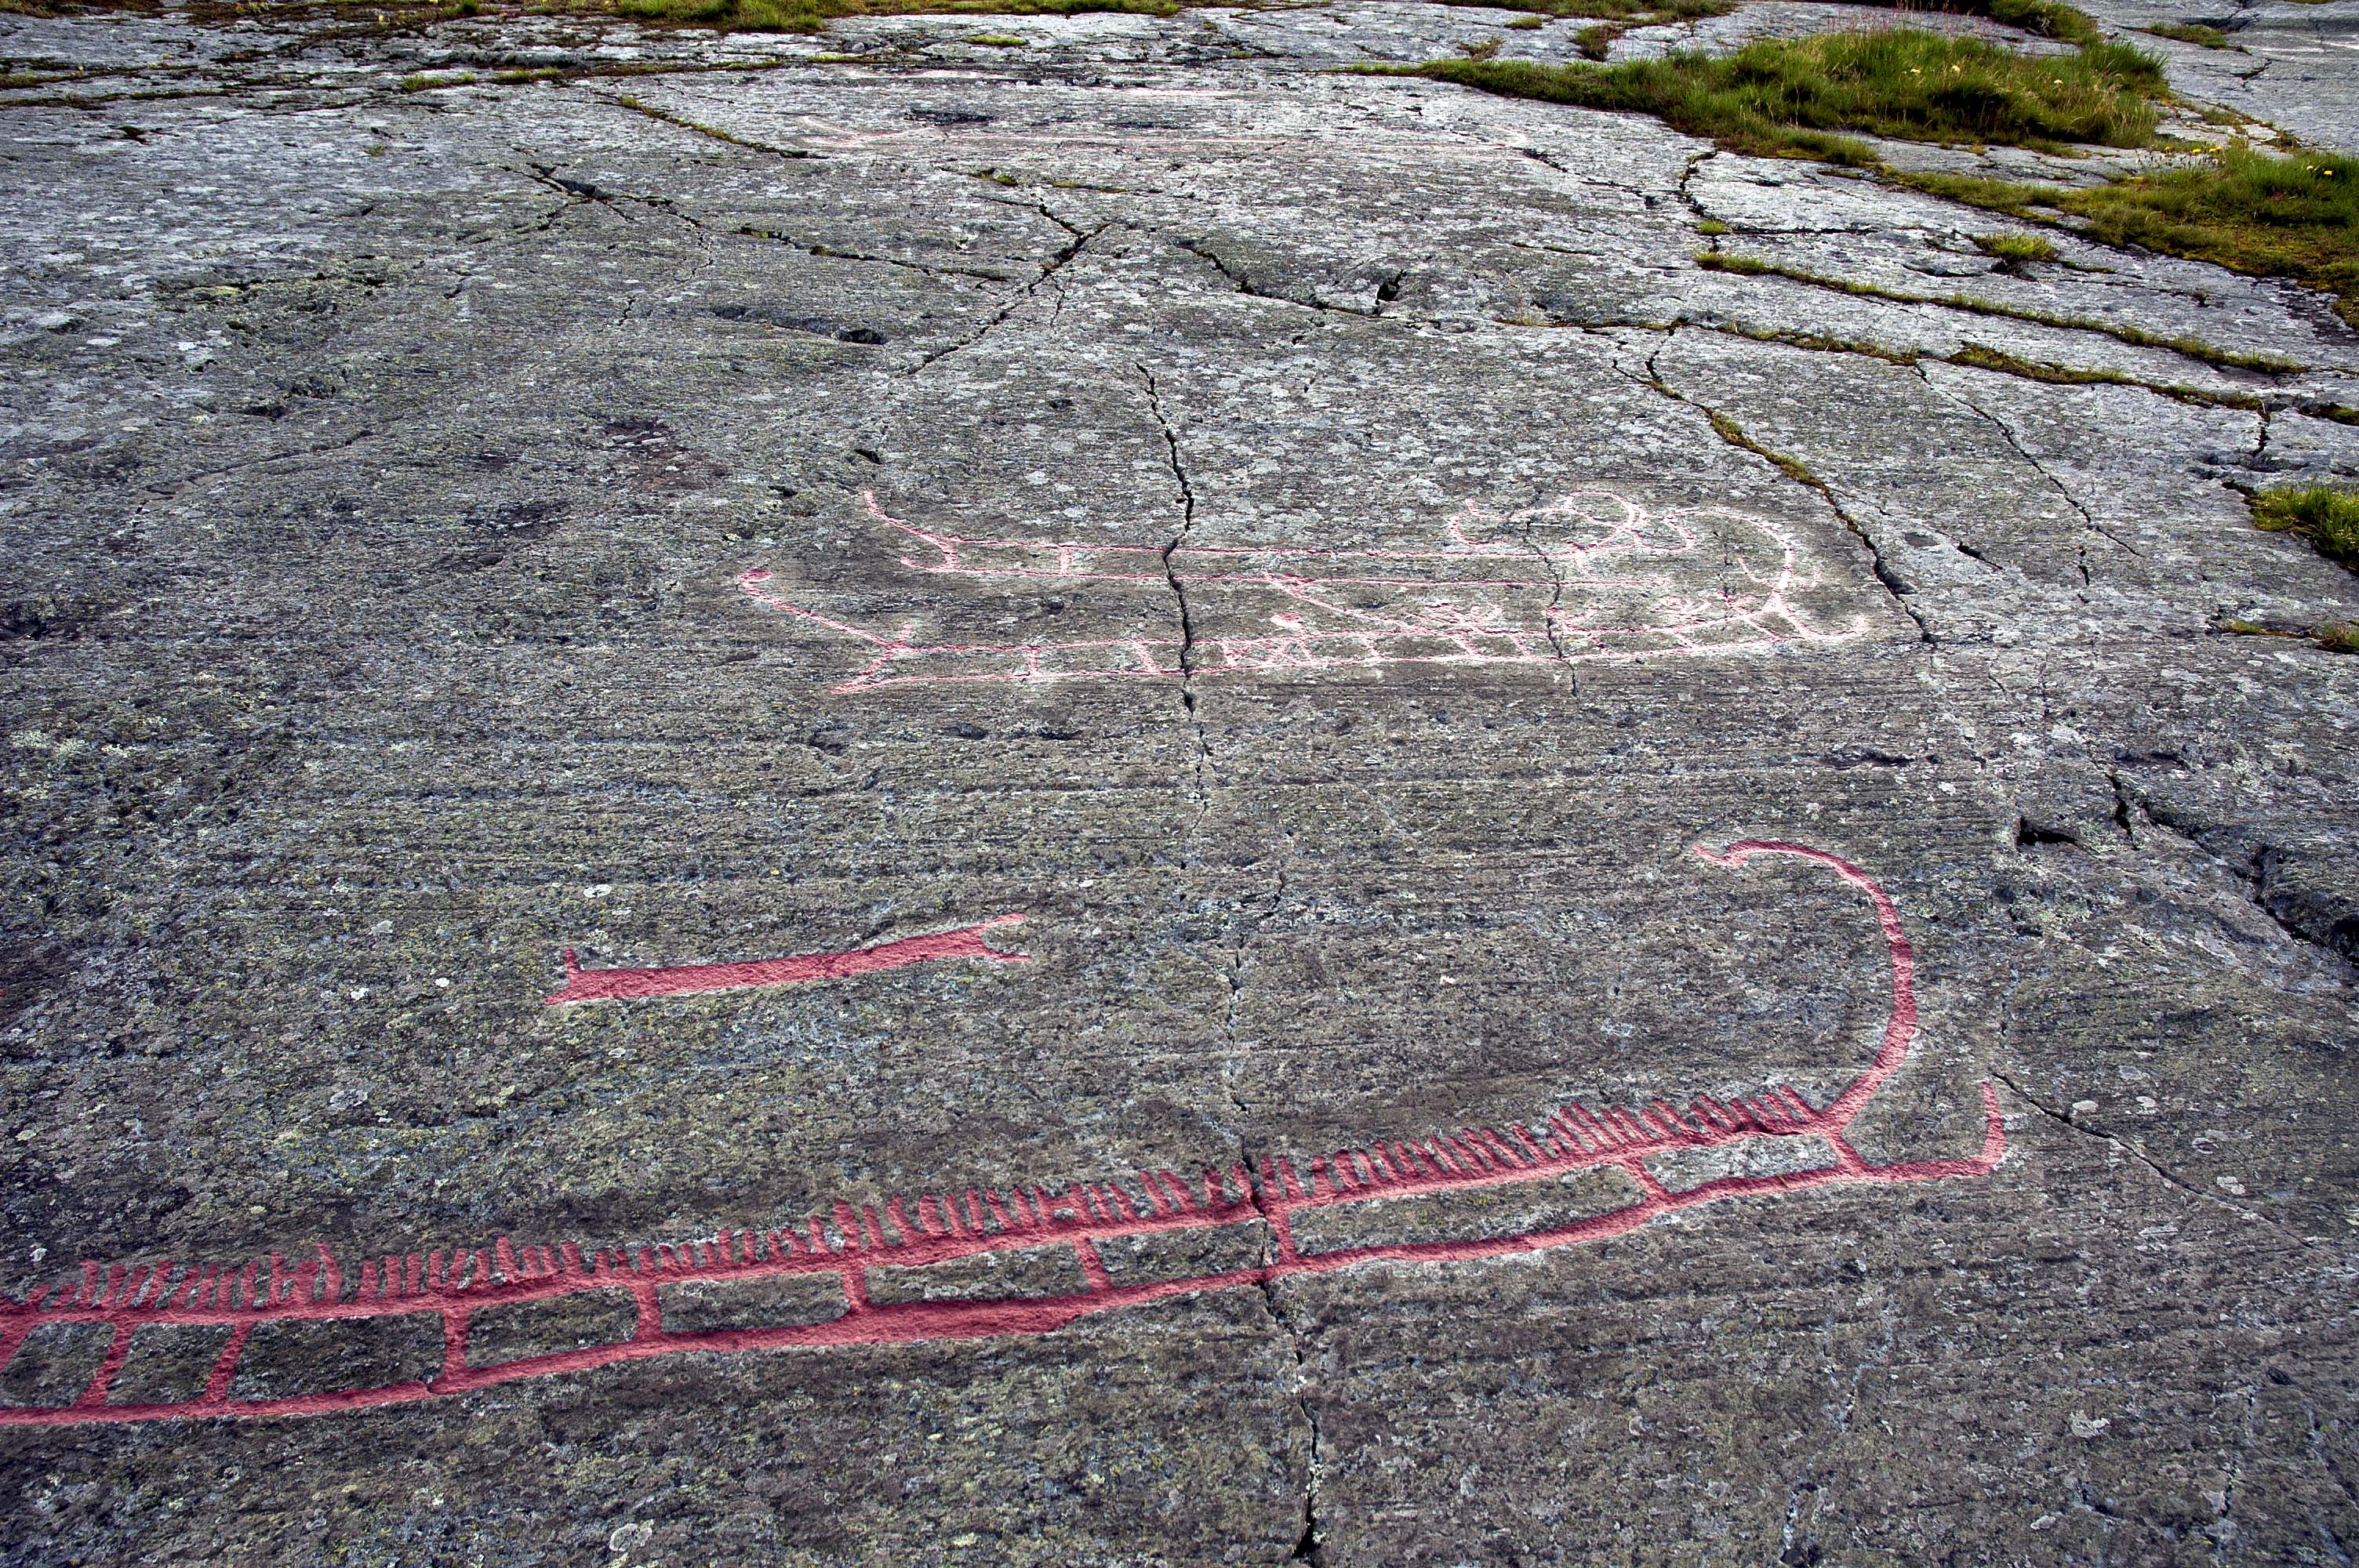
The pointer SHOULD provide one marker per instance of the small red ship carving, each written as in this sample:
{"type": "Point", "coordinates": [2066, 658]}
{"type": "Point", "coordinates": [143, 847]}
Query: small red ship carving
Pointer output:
{"type": "Point", "coordinates": [1624, 586]}
{"type": "Point", "coordinates": [750, 974]}
{"type": "Point", "coordinates": [947, 1228]}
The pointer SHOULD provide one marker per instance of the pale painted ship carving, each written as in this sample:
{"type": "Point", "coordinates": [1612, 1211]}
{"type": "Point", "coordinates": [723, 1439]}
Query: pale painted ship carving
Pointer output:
{"type": "Point", "coordinates": [1589, 578]}
{"type": "Point", "coordinates": [1798, 1143]}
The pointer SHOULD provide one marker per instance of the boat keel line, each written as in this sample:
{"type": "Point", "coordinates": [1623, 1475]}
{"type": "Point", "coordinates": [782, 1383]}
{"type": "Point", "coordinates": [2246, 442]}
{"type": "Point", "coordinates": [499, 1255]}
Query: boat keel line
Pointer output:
{"type": "Point", "coordinates": [842, 1245]}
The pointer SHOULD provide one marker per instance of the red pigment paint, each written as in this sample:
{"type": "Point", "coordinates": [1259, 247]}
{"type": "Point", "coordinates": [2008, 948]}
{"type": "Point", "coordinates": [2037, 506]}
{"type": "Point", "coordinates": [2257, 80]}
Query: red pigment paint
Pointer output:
{"type": "Point", "coordinates": [949, 1227]}
{"type": "Point", "coordinates": [682, 980]}
{"type": "Point", "coordinates": [1612, 594]}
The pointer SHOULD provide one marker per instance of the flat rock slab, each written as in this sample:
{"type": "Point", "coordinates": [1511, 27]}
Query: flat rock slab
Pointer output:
{"type": "Point", "coordinates": [892, 798]}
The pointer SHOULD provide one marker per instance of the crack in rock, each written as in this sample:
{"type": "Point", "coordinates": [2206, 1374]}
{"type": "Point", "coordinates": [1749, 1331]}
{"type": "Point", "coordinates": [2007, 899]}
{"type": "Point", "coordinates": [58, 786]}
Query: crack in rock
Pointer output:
{"type": "Point", "coordinates": [2066, 1118]}
{"type": "Point", "coordinates": [1170, 575]}
{"type": "Point", "coordinates": [2007, 433]}
{"type": "Point", "coordinates": [1049, 267]}
{"type": "Point", "coordinates": [2254, 872]}
{"type": "Point", "coordinates": [1728, 430]}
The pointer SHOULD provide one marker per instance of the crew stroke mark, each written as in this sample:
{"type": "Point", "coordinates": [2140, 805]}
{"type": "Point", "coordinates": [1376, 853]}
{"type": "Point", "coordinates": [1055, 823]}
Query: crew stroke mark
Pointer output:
{"type": "Point", "coordinates": [683, 979]}
{"type": "Point", "coordinates": [842, 1247]}
{"type": "Point", "coordinates": [1626, 585]}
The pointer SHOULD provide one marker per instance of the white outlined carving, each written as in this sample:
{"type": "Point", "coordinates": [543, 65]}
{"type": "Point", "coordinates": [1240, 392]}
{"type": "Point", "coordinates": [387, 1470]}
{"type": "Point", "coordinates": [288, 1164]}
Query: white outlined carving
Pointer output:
{"type": "Point", "coordinates": [1589, 578]}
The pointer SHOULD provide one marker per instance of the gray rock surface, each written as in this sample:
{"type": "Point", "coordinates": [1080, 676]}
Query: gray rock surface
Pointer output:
{"type": "Point", "coordinates": [384, 470]}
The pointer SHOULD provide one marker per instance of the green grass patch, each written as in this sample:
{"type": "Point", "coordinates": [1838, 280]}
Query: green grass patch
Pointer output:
{"type": "Point", "coordinates": [2191, 33]}
{"type": "Point", "coordinates": [2274, 214]}
{"type": "Point", "coordinates": [1799, 96]}
{"type": "Point", "coordinates": [2286, 216]}
{"type": "Point", "coordinates": [2327, 515]}
{"type": "Point", "coordinates": [2016, 248]}
{"type": "Point", "coordinates": [1527, 24]}
{"type": "Point", "coordinates": [2271, 214]}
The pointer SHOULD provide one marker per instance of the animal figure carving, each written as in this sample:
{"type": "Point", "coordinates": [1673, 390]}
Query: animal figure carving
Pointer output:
{"type": "Point", "coordinates": [1609, 582]}
{"type": "Point", "coordinates": [451, 1291]}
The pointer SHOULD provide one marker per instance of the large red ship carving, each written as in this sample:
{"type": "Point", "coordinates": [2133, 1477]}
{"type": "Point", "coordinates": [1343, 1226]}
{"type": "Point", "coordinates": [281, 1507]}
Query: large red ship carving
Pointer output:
{"type": "Point", "coordinates": [1638, 1147]}
{"type": "Point", "coordinates": [1589, 578]}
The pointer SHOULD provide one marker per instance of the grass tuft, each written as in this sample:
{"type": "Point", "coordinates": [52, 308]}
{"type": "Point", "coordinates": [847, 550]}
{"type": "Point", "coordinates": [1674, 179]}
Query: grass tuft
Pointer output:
{"type": "Point", "coordinates": [2326, 516]}
{"type": "Point", "coordinates": [2193, 348]}
{"type": "Point", "coordinates": [2016, 248]}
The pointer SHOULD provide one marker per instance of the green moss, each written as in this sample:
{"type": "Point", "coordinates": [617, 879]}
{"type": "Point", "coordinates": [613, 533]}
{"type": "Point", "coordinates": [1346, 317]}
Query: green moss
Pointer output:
{"type": "Point", "coordinates": [2334, 636]}
{"type": "Point", "coordinates": [1527, 24]}
{"type": "Point", "coordinates": [999, 41]}
{"type": "Point", "coordinates": [2048, 18]}
{"type": "Point", "coordinates": [2016, 248]}
{"type": "Point", "coordinates": [2326, 516]}
{"type": "Point", "coordinates": [1712, 228]}
{"type": "Point", "coordinates": [1729, 430]}
{"type": "Point", "coordinates": [2016, 200]}
{"type": "Point", "coordinates": [2191, 33]}
{"type": "Point", "coordinates": [2193, 348]}
{"type": "Point", "coordinates": [1797, 96]}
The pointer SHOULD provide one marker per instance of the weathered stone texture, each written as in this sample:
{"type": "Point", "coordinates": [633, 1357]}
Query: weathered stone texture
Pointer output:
{"type": "Point", "coordinates": [382, 466]}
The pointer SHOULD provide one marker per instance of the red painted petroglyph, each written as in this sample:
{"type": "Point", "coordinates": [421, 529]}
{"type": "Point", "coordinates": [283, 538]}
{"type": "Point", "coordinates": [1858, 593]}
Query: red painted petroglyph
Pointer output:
{"type": "Point", "coordinates": [947, 1227]}
{"type": "Point", "coordinates": [682, 980]}
{"type": "Point", "coordinates": [1614, 593]}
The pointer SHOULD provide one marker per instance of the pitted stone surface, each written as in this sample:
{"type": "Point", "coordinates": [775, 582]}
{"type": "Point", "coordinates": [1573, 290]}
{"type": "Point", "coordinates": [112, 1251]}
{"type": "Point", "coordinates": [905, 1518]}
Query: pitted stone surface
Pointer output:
{"type": "Point", "coordinates": [385, 467]}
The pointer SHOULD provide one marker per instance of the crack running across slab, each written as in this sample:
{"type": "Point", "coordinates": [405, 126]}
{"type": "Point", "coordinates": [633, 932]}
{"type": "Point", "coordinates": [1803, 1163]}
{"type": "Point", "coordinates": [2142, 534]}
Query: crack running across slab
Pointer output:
{"type": "Point", "coordinates": [1171, 574]}
{"type": "Point", "coordinates": [2007, 433]}
{"type": "Point", "coordinates": [1049, 267]}
{"type": "Point", "coordinates": [2066, 1118]}
{"type": "Point", "coordinates": [1730, 431]}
